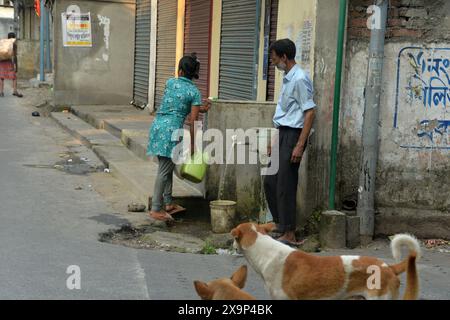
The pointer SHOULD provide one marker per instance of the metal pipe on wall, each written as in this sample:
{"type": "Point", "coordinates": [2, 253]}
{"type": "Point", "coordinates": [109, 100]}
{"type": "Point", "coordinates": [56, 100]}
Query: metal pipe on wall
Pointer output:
{"type": "Point", "coordinates": [41, 43]}
{"type": "Point", "coordinates": [370, 140]}
{"type": "Point", "coordinates": [48, 63]}
{"type": "Point", "coordinates": [16, 19]}
{"type": "Point", "coordinates": [337, 102]}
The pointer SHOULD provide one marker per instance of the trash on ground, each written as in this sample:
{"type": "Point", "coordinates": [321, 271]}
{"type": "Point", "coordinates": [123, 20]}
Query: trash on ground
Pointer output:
{"type": "Point", "coordinates": [227, 252]}
{"type": "Point", "coordinates": [433, 243]}
{"type": "Point", "coordinates": [36, 114]}
{"type": "Point", "coordinates": [78, 188]}
{"type": "Point", "coordinates": [106, 170]}
{"type": "Point", "coordinates": [136, 207]}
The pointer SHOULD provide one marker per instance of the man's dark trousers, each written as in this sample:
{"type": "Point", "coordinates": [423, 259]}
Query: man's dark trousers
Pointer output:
{"type": "Point", "coordinates": [281, 188]}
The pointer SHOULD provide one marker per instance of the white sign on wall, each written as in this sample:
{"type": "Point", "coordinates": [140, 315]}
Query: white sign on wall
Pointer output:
{"type": "Point", "coordinates": [422, 106]}
{"type": "Point", "coordinates": [76, 29]}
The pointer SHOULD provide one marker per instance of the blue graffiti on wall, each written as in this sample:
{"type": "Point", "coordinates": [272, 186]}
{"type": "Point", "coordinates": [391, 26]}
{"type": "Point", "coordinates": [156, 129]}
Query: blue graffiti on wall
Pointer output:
{"type": "Point", "coordinates": [436, 89]}
{"type": "Point", "coordinates": [426, 130]}
{"type": "Point", "coordinates": [428, 84]}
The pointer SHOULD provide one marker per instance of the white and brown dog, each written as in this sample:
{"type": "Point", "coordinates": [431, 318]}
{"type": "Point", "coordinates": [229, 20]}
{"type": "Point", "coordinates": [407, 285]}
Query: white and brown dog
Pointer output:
{"type": "Point", "coordinates": [293, 274]}
{"type": "Point", "coordinates": [226, 288]}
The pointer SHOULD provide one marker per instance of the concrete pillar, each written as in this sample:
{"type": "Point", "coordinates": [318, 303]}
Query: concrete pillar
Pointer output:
{"type": "Point", "coordinates": [352, 231]}
{"type": "Point", "coordinates": [333, 230]}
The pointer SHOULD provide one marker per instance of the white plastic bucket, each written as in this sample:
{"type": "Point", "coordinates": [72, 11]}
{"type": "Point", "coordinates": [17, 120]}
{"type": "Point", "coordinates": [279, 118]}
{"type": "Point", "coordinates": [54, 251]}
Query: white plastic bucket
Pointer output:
{"type": "Point", "coordinates": [223, 215]}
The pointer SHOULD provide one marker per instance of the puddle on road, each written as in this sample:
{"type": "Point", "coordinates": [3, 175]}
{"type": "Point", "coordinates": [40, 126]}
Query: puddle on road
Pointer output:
{"type": "Point", "coordinates": [110, 219]}
{"type": "Point", "coordinates": [71, 164]}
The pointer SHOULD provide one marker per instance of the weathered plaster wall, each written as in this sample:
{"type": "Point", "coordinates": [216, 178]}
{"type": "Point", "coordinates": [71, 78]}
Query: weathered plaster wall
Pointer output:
{"type": "Point", "coordinates": [413, 188]}
{"type": "Point", "coordinates": [102, 74]}
{"type": "Point", "coordinates": [326, 27]}
{"type": "Point", "coordinates": [242, 182]}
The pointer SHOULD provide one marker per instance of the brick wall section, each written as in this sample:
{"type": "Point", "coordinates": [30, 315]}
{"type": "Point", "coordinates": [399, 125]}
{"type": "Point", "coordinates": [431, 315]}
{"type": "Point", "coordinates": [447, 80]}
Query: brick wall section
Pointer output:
{"type": "Point", "coordinates": [407, 19]}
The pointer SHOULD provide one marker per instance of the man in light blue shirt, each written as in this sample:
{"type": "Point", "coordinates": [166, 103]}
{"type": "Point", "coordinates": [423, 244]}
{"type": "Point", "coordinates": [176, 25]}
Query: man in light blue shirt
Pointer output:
{"type": "Point", "coordinates": [293, 118]}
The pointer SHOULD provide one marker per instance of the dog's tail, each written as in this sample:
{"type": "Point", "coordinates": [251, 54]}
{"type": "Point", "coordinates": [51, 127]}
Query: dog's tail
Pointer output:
{"type": "Point", "coordinates": [409, 264]}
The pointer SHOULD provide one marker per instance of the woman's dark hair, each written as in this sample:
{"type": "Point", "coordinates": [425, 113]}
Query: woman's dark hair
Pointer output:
{"type": "Point", "coordinates": [190, 65]}
{"type": "Point", "coordinates": [284, 47]}
{"type": "Point", "coordinates": [11, 35]}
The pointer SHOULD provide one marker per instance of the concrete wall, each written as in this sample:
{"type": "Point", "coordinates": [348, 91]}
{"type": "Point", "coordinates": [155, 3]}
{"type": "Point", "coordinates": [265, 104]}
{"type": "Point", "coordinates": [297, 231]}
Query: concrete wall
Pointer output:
{"type": "Point", "coordinates": [6, 26]}
{"type": "Point", "coordinates": [97, 75]}
{"type": "Point", "coordinates": [6, 21]}
{"type": "Point", "coordinates": [28, 43]}
{"type": "Point", "coordinates": [242, 182]}
{"type": "Point", "coordinates": [28, 58]}
{"type": "Point", "coordinates": [412, 193]}
{"type": "Point", "coordinates": [296, 21]}
{"type": "Point", "coordinates": [316, 169]}
{"type": "Point", "coordinates": [413, 163]}
{"type": "Point", "coordinates": [215, 48]}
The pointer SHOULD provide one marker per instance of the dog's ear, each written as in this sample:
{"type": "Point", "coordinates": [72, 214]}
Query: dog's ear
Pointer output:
{"type": "Point", "coordinates": [203, 290]}
{"type": "Point", "coordinates": [236, 233]}
{"type": "Point", "coordinates": [268, 227]}
{"type": "Point", "coordinates": [239, 277]}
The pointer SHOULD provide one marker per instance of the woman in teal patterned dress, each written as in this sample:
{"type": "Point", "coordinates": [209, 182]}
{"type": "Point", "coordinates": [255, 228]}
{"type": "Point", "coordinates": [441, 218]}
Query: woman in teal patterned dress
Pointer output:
{"type": "Point", "coordinates": [181, 98]}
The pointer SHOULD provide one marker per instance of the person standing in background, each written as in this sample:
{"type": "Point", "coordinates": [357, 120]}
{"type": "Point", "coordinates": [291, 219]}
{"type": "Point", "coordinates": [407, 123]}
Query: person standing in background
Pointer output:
{"type": "Point", "coordinates": [8, 71]}
{"type": "Point", "coordinates": [293, 118]}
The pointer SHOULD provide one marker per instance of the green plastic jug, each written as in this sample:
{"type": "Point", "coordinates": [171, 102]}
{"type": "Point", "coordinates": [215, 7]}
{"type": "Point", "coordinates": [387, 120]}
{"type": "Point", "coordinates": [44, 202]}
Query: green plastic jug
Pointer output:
{"type": "Point", "coordinates": [194, 169]}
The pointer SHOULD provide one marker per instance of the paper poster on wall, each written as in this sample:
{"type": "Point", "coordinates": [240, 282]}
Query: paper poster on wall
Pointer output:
{"type": "Point", "coordinates": [76, 29]}
{"type": "Point", "coordinates": [304, 42]}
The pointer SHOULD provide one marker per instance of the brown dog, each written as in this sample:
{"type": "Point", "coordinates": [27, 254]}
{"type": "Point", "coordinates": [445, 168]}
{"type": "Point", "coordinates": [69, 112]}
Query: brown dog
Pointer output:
{"type": "Point", "coordinates": [225, 289]}
{"type": "Point", "coordinates": [293, 274]}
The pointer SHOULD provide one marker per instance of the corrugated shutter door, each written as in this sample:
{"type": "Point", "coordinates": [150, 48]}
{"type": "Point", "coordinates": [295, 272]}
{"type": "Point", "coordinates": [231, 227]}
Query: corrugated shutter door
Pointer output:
{"type": "Point", "coordinates": [272, 39]}
{"type": "Point", "coordinates": [142, 52]}
{"type": "Point", "coordinates": [165, 46]}
{"type": "Point", "coordinates": [196, 38]}
{"type": "Point", "coordinates": [238, 48]}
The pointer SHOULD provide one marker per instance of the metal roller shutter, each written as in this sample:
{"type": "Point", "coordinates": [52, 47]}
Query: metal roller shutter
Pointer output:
{"type": "Point", "coordinates": [238, 49]}
{"type": "Point", "coordinates": [142, 52]}
{"type": "Point", "coordinates": [196, 38]}
{"type": "Point", "coordinates": [272, 39]}
{"type": "Point", "coordinates": [165, 46]}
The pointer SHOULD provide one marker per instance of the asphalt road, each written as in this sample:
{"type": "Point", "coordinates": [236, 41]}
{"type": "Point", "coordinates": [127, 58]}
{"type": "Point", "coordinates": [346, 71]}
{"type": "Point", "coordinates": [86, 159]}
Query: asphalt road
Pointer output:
{"type": "Point", "coordinates": [46, 225]}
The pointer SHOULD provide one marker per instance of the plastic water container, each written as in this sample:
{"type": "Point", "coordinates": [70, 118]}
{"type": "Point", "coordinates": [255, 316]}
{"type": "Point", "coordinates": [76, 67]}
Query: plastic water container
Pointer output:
{"type": "Point", "coordinates": [223, 215]}
{"type": "Point", "coordinates": [194, 169]}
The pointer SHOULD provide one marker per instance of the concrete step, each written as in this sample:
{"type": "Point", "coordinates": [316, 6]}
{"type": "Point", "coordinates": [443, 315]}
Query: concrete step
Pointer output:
{"type": "Point", "coordinates": [83, 131]}
{"type": "Point", "coordinates": [136, 174]}
{"type": "Point", "coordinates": [117, 127]}
{"type": "Point", "coordinates": [136, 142]}
{"type": "Point", "coordinates": [123, 122]}
{"type": "Point", "coordinates": [96, 115]}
